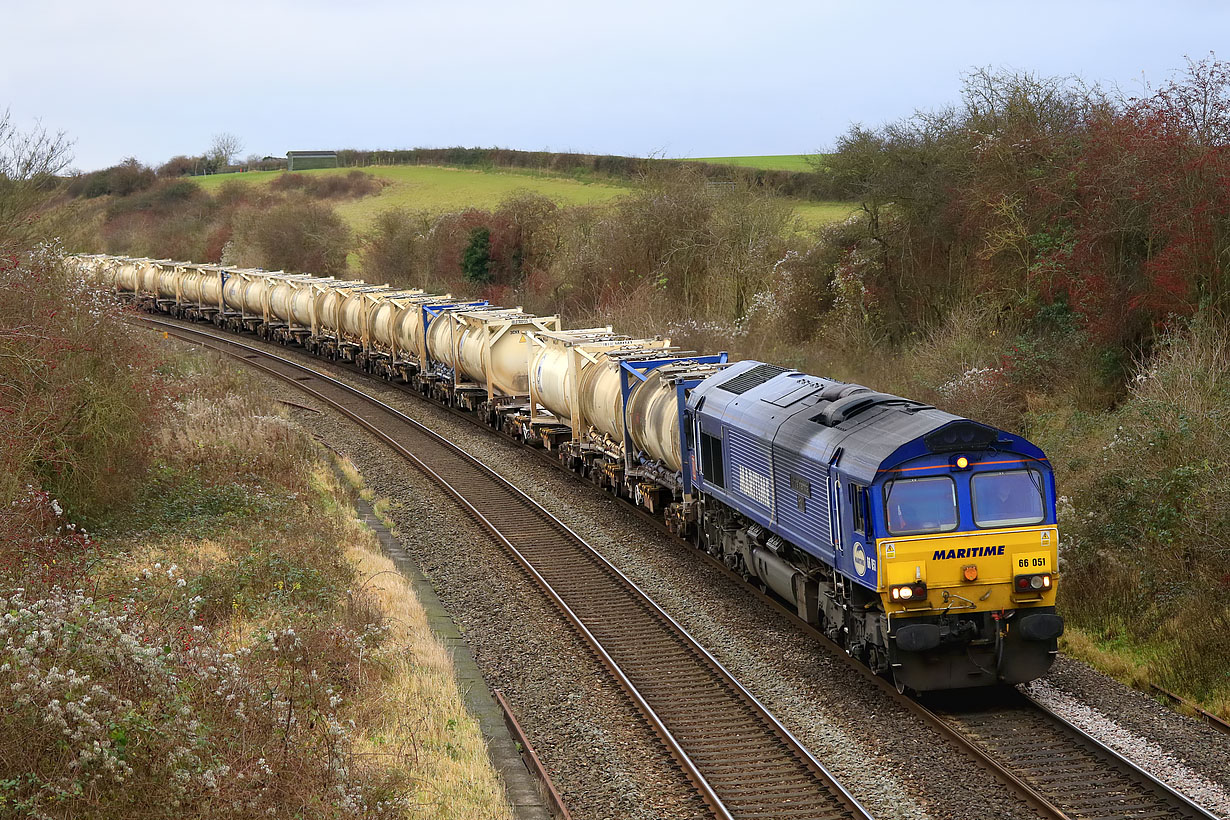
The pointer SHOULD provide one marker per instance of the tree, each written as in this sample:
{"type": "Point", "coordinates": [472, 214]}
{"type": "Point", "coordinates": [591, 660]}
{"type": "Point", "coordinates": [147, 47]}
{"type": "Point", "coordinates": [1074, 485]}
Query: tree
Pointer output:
{"type": "Point", "coordinates": [476, 261]}
{"type": "Point", "coordinates": [223, 149]}
{"type": "Point", "coordinates": [29, 163]}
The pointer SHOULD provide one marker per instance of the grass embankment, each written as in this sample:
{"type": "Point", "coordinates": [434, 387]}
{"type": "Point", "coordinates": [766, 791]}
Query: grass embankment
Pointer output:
{"type": "Point", "coordinates": [818, 214]}
{"type": "Point", "coordinates": [228, 641]}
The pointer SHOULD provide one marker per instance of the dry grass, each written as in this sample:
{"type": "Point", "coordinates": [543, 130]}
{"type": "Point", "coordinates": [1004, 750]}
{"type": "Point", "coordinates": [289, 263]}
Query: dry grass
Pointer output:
{"type": "Point", "coordinates": [419, 704]}
{"type": "Point", "coordinates": [382, 507]}
{"type": "Point", "coordinates": [351, 473]}
{"type": "Point", "coordinates": [420, 701]}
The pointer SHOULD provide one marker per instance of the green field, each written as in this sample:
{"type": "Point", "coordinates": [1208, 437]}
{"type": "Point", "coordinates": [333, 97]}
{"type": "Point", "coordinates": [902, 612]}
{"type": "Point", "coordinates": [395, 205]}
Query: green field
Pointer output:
{"type": "Point", "coordinates": [779, 162]}
{"type": "Point", "coordinates": [438, 189]}
{"type": "Point", "coordinates": [441, 190]}
{"type": "Point", "coordinates": [816, 214]}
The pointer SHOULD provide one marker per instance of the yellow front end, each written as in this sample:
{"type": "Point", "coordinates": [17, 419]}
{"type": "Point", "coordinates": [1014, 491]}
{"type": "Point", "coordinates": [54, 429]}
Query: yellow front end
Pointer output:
{"type": "Point", "coordinates": [968, 572]}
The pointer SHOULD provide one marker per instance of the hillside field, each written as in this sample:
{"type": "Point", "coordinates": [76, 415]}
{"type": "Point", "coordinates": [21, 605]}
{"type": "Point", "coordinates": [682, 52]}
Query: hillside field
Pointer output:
{"type": "Point", "coordinates": [439, 189]}
{"type": "Point", "coordinates": [775, 162]}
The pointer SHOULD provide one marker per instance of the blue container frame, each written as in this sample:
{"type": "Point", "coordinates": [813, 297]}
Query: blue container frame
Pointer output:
{"type": "Point", "coordinates": [433, 311]}
{"type": "Point", "coordinates": [640, 369]}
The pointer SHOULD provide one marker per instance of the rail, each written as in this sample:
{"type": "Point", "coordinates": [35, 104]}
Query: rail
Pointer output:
{"type": "Point", "coordinates": [531, 758]}
{"type": "Point", "coordinates": [1205, 715]}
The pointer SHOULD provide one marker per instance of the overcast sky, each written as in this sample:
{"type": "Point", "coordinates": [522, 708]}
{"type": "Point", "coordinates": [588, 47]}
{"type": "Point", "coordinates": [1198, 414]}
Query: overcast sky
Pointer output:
{"type": "Point", "coordinates": [155, 78]}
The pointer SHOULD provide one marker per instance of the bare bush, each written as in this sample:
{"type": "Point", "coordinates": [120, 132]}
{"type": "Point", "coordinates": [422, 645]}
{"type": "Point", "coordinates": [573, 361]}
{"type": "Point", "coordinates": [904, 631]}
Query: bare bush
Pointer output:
{"type": "Point", "coordinates": [392, 250]}
{"type": "Point", "coordinates": [705, 251]}
{"type": "Point", "coordinates": [77, 386]}
{"type": "Point", "coordinates": [179, 166]}
{"type": "Point", "coordinates": [353, 184]}
{"type": "Point", "coordinates": [29, 163]}
{"type": "Point", "coordinates": [173, 219]}
{"type": "Point", "coordinates": [125, 179]}
{"type": "Point", "coordinates": [295, 235]}
{"type": "Point", "coordinates": [1145, 511]}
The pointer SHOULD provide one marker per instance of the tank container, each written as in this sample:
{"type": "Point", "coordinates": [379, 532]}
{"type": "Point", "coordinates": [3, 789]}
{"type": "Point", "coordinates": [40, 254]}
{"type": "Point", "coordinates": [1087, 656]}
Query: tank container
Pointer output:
{"type": "Point", "coordinates": [488, 347]}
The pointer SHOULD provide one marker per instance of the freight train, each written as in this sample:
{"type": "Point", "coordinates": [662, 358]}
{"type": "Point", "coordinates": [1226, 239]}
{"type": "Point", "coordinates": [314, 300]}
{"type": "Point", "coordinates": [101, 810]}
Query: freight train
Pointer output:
{"type": "Point", "coordinates": [923, 543]}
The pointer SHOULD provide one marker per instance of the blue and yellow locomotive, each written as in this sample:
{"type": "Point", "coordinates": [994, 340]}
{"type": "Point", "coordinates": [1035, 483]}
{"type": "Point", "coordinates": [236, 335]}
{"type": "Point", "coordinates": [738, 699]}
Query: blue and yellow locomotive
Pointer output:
{"type": "Point", "coordinates": [923, 542]}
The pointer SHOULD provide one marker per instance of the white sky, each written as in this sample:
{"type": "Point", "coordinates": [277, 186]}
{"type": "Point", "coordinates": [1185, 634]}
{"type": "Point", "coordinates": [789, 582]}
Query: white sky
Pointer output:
{"type": "Point", "coordinates": [154, 78]}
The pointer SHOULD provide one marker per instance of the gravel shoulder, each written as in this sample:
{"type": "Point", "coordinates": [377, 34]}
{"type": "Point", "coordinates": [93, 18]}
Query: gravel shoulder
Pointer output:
{"type": "Point", "coordinates": [890, 761]}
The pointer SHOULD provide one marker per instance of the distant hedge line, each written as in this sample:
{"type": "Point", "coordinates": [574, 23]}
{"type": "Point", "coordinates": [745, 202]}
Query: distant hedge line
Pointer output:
{"type": "Point", "coordinates": [802, 184]}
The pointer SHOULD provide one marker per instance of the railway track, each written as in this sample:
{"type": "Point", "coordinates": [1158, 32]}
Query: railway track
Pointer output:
{"type": "Point", "coordinates": [1057, 769]}
{"type": "Point", "coordinates": [1079, 775]}
{"type": "Point", "coordinates": [742, 760]}
{"type": "Point", "coordinates": [1179, 701]}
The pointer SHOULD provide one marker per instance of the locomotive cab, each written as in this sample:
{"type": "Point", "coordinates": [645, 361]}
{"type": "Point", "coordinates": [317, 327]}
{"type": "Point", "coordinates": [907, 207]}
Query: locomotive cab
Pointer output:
{"type": "Point", "coordinates": [965, 535]}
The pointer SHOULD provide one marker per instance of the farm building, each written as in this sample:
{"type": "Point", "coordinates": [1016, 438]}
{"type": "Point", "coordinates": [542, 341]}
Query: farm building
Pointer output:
{"type": "Point", "coordinates": [306, 160]}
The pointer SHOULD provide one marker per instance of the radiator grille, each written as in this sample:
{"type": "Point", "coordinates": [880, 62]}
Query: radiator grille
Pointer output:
{"type": "Point", "coordinates": [745, 381]}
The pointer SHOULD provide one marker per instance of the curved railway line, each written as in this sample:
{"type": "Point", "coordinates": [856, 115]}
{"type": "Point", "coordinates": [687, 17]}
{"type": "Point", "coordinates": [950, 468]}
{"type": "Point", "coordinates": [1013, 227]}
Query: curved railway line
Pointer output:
{"type": "Point", "coordinates": [743, 761]}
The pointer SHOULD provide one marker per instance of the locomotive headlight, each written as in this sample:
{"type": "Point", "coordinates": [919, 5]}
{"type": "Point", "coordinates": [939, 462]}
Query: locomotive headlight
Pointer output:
{"type": "Point", "coordinates": [970, 572]}
{"type": "Point", "coordinates": [916, 591]}
{"type": "Point", "coordinates": [962, 463]}
{"type": "Point", "coordinates": [1039, 582]}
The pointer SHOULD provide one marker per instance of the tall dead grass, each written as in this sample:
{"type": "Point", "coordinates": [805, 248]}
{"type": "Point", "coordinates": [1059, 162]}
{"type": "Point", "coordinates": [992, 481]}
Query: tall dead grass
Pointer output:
{"type": "Point", "coordinates": [419, 715]}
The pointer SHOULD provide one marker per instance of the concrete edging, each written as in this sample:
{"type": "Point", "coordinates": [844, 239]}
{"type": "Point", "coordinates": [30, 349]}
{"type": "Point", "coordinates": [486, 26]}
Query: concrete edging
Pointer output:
{"type": "Point", "coordinates": [523, 790]}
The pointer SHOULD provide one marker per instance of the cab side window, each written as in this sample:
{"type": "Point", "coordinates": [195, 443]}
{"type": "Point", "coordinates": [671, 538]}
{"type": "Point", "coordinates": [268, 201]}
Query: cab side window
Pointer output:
{"type": "Point", "coordinates": [711, 459]}
{"type": "Point", "coordinates": [858, 508]}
